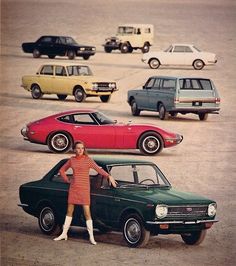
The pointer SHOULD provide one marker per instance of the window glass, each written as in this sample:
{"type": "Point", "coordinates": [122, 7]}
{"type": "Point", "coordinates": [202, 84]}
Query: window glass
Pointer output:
{"type": "Point", "coordinates": [125, 30]}
{"type": "Point", "coordinates": [206, 84]}
{"type": "Point", "coordinates": [150, 83]}
{"type": "Point", "coordinates": [102, 119]}
{"type": "Point", "coordinates": [79, 71]}
{"type": "Point", "coordinates": [188, 49]}
{"type": "Point", "coordinates": [196, 48]}
{"type": "Point", "coordinates": [169, 49]}
{"type": "Point", "coordinates": [46, 39]}
{"type": "Point", "coordinates": [137, 174]}
{"type": "Point", "coordinates": [179, 49]}
{"type": "Point", "coordinates": [168, 84]}
{"type": "Point", "coordinates": [66, 118]}
{"type": "Point", "coordinates": [84, 119]}
{"type": "Point", "coordinates": [147, 30]}
{"type": "Point", "coordinates": [58, 178]}
{"type": "Point", "coordinates": [60, 71]}
{"type": "Point", "coordinates": [156, 84]}
{"type": "Point", "coordinates": [47, 70]}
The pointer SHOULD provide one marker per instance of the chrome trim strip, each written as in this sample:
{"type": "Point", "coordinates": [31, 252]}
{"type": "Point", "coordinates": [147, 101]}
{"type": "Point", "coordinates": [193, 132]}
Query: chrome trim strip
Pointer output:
{"type": "Point", "coordinates": [22, 205]}
{"type": "Point", "coordinates": [118, 198]}
{"type": "Point", "coordinates": [183, 222]}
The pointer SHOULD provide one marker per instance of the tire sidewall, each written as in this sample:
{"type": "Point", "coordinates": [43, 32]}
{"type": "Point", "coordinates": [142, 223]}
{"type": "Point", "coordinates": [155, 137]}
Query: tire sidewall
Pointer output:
{"type": "Point", "coordinates": [54, 227]}
{"type": "Point", "coordinates": [154, 66]}
{"type": "Point", "coordinates": [80, 98]}
{"type": "Point", "coordinates": [36, 92]}
{"type": "Point", "coordinates": [157, 138]}
{"type": "Point", "coordinates": [51, 146]}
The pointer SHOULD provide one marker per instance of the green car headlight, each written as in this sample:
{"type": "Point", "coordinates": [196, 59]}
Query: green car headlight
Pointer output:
{"type": "Point", "coordinates": [161, 211]}
{"type": "Point", "coordinates": [212, 209]}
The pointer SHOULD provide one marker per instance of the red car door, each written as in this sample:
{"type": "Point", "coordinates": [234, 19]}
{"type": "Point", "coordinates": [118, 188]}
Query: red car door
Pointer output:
{"type": "Point", "coordinates": [96, 136]}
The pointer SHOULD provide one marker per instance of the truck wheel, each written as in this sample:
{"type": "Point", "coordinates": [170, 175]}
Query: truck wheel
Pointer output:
{"type": "Point", "coordinates": [47, 221]}
{"type": "Point", "coordinates": [145, 48]}
{"type": "Point", "coordinates": [36, 53]}
{"type": "Point", "coordinates": [203, 116]}
{"type": "Point", "coordinates": [198, 64]}
{"type": "Point", "coordinates": [36, 92]}
{"type": "Point", "coordinates": [134, 232]}
{"type": "Point", "coordinates": [51, 56]}
{"type": "Point", "coordinates": [61, 96]}
{"type": "Point", "coordinates": [86, 57]}
{"type": "Point", "coordinates": [71, 54]}
{"type": "Point", "coordinates": [124, 48]}
{"type": "Point", "coordinates": [150, 143]}
{"type": "Point", "coordinates": [105, 98]}
{"type": "Point", "coordinates": [79, 95]}
{"type": "Point", "coordinates": [107, 49]}
{"type": "Point", "coordinates": [194, 238]}
{"type": "Point", "coordinates": [59, 142]}
{"type": "Point", "coordinates": [154, 63]}
{"type": "Point", "coordinates": [163, 114]}
{"type": "Point", "coordinates": [134, 108]}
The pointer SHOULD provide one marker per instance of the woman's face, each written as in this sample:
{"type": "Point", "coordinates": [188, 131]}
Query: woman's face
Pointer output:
{"type": "Point", "coordinates": [79, 149]}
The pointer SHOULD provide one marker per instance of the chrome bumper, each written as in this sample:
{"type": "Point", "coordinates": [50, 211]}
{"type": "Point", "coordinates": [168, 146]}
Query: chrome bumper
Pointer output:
{"type": "Point", "coordinates": [183, 222]}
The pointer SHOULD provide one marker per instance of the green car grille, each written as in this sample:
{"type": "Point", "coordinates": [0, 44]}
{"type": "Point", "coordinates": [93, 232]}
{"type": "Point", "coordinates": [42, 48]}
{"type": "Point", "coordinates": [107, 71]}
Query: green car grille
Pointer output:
{"type": "Point", "coordinates": [189, 211]}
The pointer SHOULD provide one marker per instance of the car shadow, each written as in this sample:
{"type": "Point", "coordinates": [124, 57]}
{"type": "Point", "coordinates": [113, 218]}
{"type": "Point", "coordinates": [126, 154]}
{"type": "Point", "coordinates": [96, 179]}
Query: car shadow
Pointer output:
{"type": "Point", "coordinates": [28, 226]}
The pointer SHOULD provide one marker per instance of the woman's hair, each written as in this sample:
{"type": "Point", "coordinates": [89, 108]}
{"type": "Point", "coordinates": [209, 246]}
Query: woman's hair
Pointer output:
{"type": "Point", "coordinates": [80, 142]}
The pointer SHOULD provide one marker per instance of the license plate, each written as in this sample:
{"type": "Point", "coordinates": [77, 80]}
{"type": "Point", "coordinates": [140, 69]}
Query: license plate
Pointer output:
{"type": "Point", "coordinates": [197, 103]}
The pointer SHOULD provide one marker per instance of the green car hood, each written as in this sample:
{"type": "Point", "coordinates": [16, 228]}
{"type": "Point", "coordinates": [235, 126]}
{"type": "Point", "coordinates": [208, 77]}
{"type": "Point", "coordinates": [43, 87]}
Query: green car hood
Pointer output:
{"type": "Point", "coordinates": [166, 196]}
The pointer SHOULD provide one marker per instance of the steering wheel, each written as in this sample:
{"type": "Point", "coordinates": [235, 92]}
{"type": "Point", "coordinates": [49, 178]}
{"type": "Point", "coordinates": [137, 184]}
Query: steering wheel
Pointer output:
{"type": "Point", "coordinates": [147, 179]}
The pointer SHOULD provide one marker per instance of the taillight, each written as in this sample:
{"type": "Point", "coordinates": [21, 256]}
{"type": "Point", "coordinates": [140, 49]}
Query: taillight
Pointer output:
{"type": "Point", "coordinates": [176, 100]}
{"type": "Point", "coordinates": [217, 100]}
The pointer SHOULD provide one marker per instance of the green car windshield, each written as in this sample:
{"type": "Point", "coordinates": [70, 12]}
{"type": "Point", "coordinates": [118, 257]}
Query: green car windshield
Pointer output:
{"type": "Point", "coordinates": [140, 175]}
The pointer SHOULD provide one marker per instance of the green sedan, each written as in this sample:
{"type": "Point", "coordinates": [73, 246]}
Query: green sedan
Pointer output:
{"type": "Point", "coordinates": [142, 204]}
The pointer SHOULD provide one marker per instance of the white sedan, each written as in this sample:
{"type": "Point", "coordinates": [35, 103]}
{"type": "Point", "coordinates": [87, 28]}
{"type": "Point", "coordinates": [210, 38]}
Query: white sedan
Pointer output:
{"type": "Point", "coordinates": [180, 54]}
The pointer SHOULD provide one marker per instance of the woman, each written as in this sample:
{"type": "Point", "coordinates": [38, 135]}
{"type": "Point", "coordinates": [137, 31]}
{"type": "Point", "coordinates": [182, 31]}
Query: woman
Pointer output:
{"type": "Point", "coordinates": [79, 191]}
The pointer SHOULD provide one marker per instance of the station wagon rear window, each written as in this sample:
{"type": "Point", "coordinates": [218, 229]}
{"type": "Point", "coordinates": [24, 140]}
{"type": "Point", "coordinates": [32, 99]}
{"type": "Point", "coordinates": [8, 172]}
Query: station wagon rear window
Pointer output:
{"type": "Point", "coordinates": [195, 84]}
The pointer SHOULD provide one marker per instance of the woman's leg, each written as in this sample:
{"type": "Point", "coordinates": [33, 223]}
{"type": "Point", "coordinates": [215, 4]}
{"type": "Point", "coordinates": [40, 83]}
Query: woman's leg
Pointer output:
{"type": "Point", "coordinates": [89, 223]}
{"type": "Point", "coordinates": [68, 219]}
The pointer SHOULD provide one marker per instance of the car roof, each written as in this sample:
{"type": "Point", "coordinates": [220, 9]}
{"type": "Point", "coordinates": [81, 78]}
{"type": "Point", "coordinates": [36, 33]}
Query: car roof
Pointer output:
{"type": "Point", "coordinates": [74, 111]}
{"type": "Point", "coordinates": [184, 44]}
{"type": "Point", "coordinates": [178, 77]}
{"type": "Point", "coordinates": [56, 36]}
{"type": "Point", "coordinates": [136, 25]}
{"type": "Point", "coordinates": [62, 64]}
{"type": "Point", "coordinates": [111, 160]}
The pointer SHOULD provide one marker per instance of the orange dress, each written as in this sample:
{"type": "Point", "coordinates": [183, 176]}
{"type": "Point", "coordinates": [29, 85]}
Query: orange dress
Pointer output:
{"type": "Point", "coordinates": [79, 191]}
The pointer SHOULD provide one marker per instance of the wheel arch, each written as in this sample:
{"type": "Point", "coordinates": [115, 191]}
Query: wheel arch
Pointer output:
{"type": "Point", "coordinates": [127, 211]}
{"type": "Point", "coordinates": [151, 132]}
{"type": "Point", "coordinates": [44, 203]}
{"type": "Point", "coordinates": [198, 59]}
{"type": "Point", "coordinates": [131, 98]}
{"type": "Point", "coordinates": [35, 83]}
{"type": "Point", "coordinates": [78, 87]}
{"type": "Point", "coordinates": [127, 42]}
{"type": "Point", "coordinates": [154, 58]}
{"type": "Point", "coordinates": [60, 131]}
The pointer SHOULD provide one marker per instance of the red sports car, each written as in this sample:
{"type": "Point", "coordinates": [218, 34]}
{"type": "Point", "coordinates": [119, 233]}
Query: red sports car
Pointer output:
{"type": "Point", "coordinates": [97, 131]}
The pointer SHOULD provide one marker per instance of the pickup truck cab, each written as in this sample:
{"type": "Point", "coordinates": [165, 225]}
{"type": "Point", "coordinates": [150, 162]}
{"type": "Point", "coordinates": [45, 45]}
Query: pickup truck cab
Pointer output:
{"type": "Point", "coordinates": [173, 95]}
{"type": "Point", "coordinates": [131, 37]}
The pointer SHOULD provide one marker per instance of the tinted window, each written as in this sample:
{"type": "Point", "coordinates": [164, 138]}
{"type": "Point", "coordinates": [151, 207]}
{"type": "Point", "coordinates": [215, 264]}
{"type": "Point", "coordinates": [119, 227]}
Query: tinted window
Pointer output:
{"type": "Point", "coordinates": [47, 70]}
{"type": "Point", "coordinates": [46, 39]}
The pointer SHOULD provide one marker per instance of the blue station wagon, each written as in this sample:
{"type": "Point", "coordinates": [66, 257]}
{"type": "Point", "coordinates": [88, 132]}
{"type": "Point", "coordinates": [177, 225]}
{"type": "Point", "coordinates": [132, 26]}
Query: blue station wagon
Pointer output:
{"type": "Point", "coordinates": [142, 204]}
{"type": "Point", "coordinates": [173, 95]}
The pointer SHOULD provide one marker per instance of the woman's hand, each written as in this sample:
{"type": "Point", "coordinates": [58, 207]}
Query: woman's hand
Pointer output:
{"type": "Point", "coordinates": [112, 181]}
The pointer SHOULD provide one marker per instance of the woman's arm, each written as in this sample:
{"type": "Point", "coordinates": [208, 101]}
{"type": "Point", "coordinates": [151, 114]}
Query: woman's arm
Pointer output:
{"type": "Point", "coordinates": [102, 172]}
{"type": "Point", "coordinates": [63, 170]}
